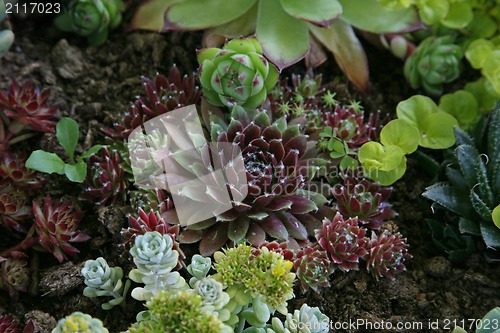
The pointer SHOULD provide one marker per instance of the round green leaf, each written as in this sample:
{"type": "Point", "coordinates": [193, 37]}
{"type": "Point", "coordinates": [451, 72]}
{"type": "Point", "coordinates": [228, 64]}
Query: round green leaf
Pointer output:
{"type": "Point", "coordinates": [401, 133]}
{"type": "Point", "coordinates": [478, 51]}
{"type": "Point", "coordinates": [415, 109]}
{"type": "Point", "coordinates": [459, 15]}
{"type": "Point", "coordinates": [436, 131]}
{"type": "Point", "coordinates": [462, 105]}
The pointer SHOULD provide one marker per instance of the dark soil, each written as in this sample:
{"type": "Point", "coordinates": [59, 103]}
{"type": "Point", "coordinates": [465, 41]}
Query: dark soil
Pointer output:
{"type": "Point", "coordinates": [95, 86]}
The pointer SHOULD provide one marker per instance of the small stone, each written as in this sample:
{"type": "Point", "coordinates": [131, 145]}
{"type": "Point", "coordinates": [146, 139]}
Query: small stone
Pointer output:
{"type": "Point", "coordinates": [67, 60]}
{"type": "Point", "coordinates": [44, 322]}
{"type": "Point", "coordinates": [438, 267]}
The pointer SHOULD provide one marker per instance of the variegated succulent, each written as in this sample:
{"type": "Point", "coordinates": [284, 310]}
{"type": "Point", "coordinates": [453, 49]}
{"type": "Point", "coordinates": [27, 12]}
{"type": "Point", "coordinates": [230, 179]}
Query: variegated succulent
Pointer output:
{"type": "Point", "coordinates": [163, 94]}
{"type": "Point", "coordinates": [386, 254]}
{"type": "Point", "coordinates": [57, 226]}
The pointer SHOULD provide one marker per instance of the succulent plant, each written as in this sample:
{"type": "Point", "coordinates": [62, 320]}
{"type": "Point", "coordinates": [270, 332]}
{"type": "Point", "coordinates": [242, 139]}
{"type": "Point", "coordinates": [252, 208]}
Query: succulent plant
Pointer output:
{"type": "Point", "coordinates": [312, 268]}
{"type": "Point", "coordinates": [237, 74]}
{"type": "Point", "coordinates": [155, 258]}
{"type": "Point", "coordinates": [472, 190]}
{"type": "Point", "coordinates": [249, 275]}
{"type": "Point", "coordinates": [344, 241]}
{"type": "Point", "coordinates": [26, 108]}
{"type": "Point", "coordinates": [13, 170]}
{"type": "Point", "coordinates": [213, 296]}
{"type": "Point", "coordinates": [434, 62]}
{"type": "Point", "coordinates": [179, 312]}
{"type": "Point", "coordinates": [106, 181]}
{"type": "Point", "coordinates": [56, 225]}
{"type": "Point", "coordinates": [102, 280]}
{"type": "Point", "coordinates": [79, 322]}
{"type": "Point", "coordinates": [278, 203]}
{"type": "Point", "coordinates": [151, 222]}
{"type": "Point", "coordinates": [15, 274]}
{"type": "Point", "coordinates": [91, 19]}
{"type": "Point", "coordinates": [278, 247]}
{"type": "Point", "coordinates": [163, 94]}
{"type": "Point", "coordinates": [365, 200]}
{"type": "Point", "coordinates": [198, 268]}
{"type": "Point", "coordinates": [386, 254]}
{"type": "Point", "coordinates": [14, 207]}
{"type": "Point", "coordinates": [8, 324]}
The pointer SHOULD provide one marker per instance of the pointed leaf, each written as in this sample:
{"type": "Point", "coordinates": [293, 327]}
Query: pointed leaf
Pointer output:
{"type": "Point", "coordinates": [274, 227]}
{"type": "Point", "coordinates": [467, 157]}
{"type": "Point", "coordinates": [467, 226]}
{"type": "Point", "coordinates": [494, 150]}
{"type": "Point", "coordinates": [371, 16]}
{"type": "Point", "coordinates": [213, 239]}
{"type": "Point", "coordinates": [480, 206]}
{"type": "Point", "coordinates": [347, 50]}
{"type": "Point", "coordinates": [149, 15]}
{"type": "Point", "coordinates": [92, 150]}
{"type": "Point", "coordinates": [284, 39]}
{"type": "Point", "coordinates": [237, 229]}
{"type": "Point", "coordinates": [450, 198]}
{"type": "Point", "coordinates": [76, 172]}
{"type": "Point", "coordinates": [201, 14]}
{"type": "Point", "coordinates": [490, 233]}
{"type": "Point", "coordinates": [320, 12]}
{"type": "Point", "coordinates": [67, 134]}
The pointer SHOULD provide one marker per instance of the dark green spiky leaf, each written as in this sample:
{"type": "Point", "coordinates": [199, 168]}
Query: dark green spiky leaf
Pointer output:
{"type": "Point", "coordinates": [456, 178]}
{"type": "Point", "coordinates": [42, 161]}
{"type": "Point", "coordinates": [319, 12]}
{"type": "Point", "coordinates": [369, 15]}
{"type": "Point", "coordinates": [92, 150]}
{"type": "Point", "coordinates": [76, 172]}
{"type": "Point", "coordinates": [494, 150]}
{"type": "Point", "coordinates": [467, 157]}
{"type": "Point", "coordinates": [201, 14]}
{"type": "Point", "coordinates": [450, 198]}
{"type": "Point", "coordinates": [480, 206]}
{"type": "Point", "coordinates": [483, 183]}
{"type": "Point", "coordinates": [467, 226]}
{"type": "Point", "coordinates": [67, 134]}
{"type": "Point", "coordinates": [284, 39]}
{"type": "Point", "coordinates": [462, 137]}
{"type": "Point", "coordinates": [490, 233]}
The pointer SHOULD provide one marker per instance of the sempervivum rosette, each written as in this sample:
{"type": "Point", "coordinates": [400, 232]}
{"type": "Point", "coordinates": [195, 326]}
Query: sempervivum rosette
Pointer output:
{"type": "Point", "coordinates": [277, 203]}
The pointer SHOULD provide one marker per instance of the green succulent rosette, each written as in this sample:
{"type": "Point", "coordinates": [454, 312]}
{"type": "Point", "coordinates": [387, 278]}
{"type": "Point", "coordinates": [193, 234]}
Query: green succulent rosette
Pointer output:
{"type": "Point", "coordinates": [436, 61]}
{"type": "Point", "coordinates": [237, 74]}
{"type": "Point", "coordinates": [91, 19]}
{"type": "Point", "coordinates": [79, 322]}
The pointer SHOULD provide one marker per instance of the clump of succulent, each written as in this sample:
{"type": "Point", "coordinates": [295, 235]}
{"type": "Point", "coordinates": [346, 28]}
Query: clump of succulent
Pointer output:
{"type": "Point", "coordinates": [14, 207]}
{"type": "Point", "coordinates": [472, 188]}
{"type": "Point", "coordinates": [106, 182]}
{"type": "Point", "coordinates": [57, 226]}
{"type": "Point", "coordinates": [365, 200]}
{"type": "Point", "coordinates": [278, 203]}
{"type": "Point", "coordinates": [68, 134]}
{"type": "Point", "coordinates": [80, 322]}
{"type": "Point", "coordinates": [344, 241]}
{"type": "Point", "coordinates": [435, 62]}
{"type": "Point", "coordinates": [285, 29]}
{"type": "Point", "coordinates": [9, 325]}
{"type": "Point", "coordinates": [312, 268]}
{"type": "Point", "coordinates": [23, 110]}
{"type": "Point", "coordinates": [144, 223]}
{"type": "Point", "coordinates": [13, 170]}
{"type": "Point", "coordinates": [102, 280]}
{"type": "Point", "coordinates": [237, 74]}
{"type": "Point", "coordinates": [15, 274]}
{"type": "Point", "coordinates": [265, 276]}
{"type": "Point", "coordinates": [493, 316]}
{"type": "Point", "coordinates": [198, 268]}
{"type": "Point", "coordinates": [91, 19]}
{"type": "Point", "coordinates": [214, 297]}
{"type": "Point", "coordinates": [157, 200]}
{"type": "Point", "coordinates": [155, 258]}
{"type": "Point", "coordinates": [163, 94]}
{"type": "Point", "coordinates": [485, 55]}
{"type": "Point", "coordinates": [386, 254]}
{"type": "Point", "coordinates": [181, 311]}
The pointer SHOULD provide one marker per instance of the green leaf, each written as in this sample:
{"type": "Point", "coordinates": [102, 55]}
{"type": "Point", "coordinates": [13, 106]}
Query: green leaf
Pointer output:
{"type": "Point", "coordinates": [401, 133]}
{"type": "Point", "coordinates": [202, 14]}
{"type": "Point", "coordinates": [284, 39]}
{"type": "Point", "coordinates": [467, 226]}
{"type": "Point", "coordinates": [493, 316]}
{"type": "Point", "coordinates": [463, 106]}
{"type": "Point", "coordinates": [480, 206]}
{"type": "Point", "coordinates": [338, 146]}
{"type": "Point", "coordinates": [6, 40]}
{"type": "Point", "coordinates": [494, 151]}
{"type": "Point", "coordinates": [67, 134]}
{"type": "Point", "coordinates": [459, 15]}
{"type": "Point", "coordinates": [415, 109]}
{"type": "Point", "coordinates": [149, 15]}
{"type": "Point", "coordinates": [76, 172]}
{"type": "Point", "coordinates": [450, 198]}
{"type": "Point", "coordinates": [478, 51]}
{"type": "Point", "coordinates": [320, 12]}
{"type": "Point", "coordinates": [371, 16]}
{"type": "Point", "coordinates": [42, 161]}
{"type": "Point", "coordinates": [92, 150]}
{"type": "Point", "coordinates": [437, 131]}
{"type": "Point", "coordinates": [467, 157]}
{"type": "Point", "coordinates": [490, 233]}
{"type": "Point", "coordinates": [349, 54]}
{"type": "Point", "coordinates": [495, 215]}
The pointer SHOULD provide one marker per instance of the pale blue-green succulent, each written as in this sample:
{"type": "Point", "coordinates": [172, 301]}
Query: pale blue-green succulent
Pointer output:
{"type": "Point", "coordinates": [79, 322]}
{"type": "Point", "coordinates": [198, 268]}
{"type": "Point", "coordinates": [6, 35]}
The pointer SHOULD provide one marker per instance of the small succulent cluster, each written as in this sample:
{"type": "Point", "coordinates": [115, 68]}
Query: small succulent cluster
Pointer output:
{"type": "Point", "coordinates": [24, 110]}
{"type": "Point", "coordinates": [9, 325]}
{"type": "Point", "coordinates": [91, 19]}
{"type": "Point", "coordinates": [80, 322]}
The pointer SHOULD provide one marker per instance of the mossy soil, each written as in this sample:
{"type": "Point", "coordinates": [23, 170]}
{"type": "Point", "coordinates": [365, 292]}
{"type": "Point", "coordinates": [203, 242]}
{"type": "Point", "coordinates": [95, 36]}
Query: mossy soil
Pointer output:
{"type": "Point", "coordinates": [95, 86]}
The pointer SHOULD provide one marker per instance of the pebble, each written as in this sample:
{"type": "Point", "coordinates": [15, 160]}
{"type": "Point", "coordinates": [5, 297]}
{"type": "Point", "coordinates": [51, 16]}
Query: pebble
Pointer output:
{"type": "Point", "coordinates": [67, 60]}
{"type": "Point", "coordinates": [438, 267]}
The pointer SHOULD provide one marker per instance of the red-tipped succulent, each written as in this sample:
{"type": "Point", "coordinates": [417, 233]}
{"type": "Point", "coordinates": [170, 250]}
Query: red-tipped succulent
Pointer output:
{"type": "Point", "coordinates": [278, 247]}
{"type": "Point", "coordinates": [14, 274]}
{"type": "Point", "coordinates": [344, 241]}
{"type": "Point", "coordinates": [13, 170]}
{"type": "Point", "coordinates": [57, 226]}
{"type": "Point", "coordinates": [365, 200]}
{"type": "Point", "coordinates": [312, 268]}
{"type": "Point", "coordinates": [145, 222]}
{"type": "Point", "coordinates": [26, 108]}
{"type": "Point", "coordinates": [14, 207]}
{"type": "Point", "coordinates": [158, 200]}
{"type": "Point", "coordinates": [106, 181]}
{"type": "Point", "coordinates": [386, 254]}
{"type": "Point", "coordinates": [9, 325]}
{"type": "Point", "coordinates": [163, 94]}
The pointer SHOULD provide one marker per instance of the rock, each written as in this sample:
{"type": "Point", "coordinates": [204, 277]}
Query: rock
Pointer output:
{"type": "Point", "coordinates": [67, 60]}
{"type": "Point", "coordinates": [44, 322]}
{"type": "Point", "coordinates": [61, 279]}
{"type": "Point", "coordinates": [438, 267]}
